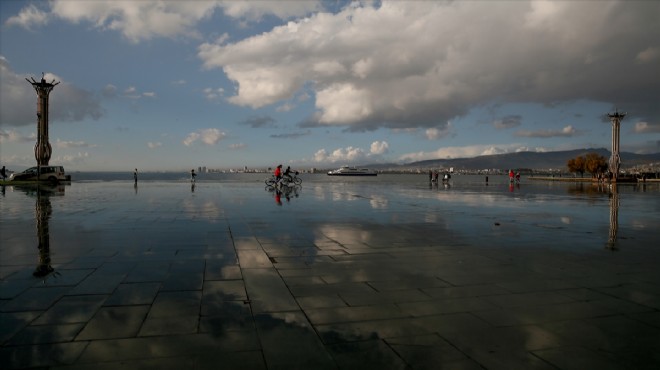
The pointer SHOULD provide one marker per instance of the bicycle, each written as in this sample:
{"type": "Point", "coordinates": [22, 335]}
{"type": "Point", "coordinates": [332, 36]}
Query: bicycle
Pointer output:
{"type": "Point", "coordinates": [271, 181]}
{"type": "Point", "coordinates": [284, 180]}
{"type": "Point", "coordinates": [295, 180]}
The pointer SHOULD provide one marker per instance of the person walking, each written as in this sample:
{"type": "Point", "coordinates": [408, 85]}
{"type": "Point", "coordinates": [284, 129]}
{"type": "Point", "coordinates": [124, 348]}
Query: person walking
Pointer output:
{"type": "Point", "coordinates": [135, 176]}
{"type": "Point", "coordinates": [192, 175]}
{"type": "Point", "coordinates": [3, 172]}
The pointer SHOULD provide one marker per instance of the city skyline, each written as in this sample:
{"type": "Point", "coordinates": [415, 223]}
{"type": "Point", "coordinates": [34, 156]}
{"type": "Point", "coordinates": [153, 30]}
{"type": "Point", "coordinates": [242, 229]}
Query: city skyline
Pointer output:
{"type": "Point", "coordinates": [175, 85]}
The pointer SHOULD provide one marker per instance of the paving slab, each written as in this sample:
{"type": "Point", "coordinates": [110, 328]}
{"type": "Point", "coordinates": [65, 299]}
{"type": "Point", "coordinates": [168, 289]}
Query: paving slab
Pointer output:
{"type": "Point", "coordinates": [114, 322]}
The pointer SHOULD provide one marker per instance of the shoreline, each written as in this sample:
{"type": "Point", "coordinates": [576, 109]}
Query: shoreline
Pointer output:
{"type": "Point", "coordinates": [592, 180]}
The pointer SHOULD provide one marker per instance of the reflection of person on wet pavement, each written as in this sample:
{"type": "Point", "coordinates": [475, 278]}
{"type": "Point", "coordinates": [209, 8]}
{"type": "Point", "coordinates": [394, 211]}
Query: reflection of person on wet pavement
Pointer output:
{"type": "Point", "coordinates": [278, 197]}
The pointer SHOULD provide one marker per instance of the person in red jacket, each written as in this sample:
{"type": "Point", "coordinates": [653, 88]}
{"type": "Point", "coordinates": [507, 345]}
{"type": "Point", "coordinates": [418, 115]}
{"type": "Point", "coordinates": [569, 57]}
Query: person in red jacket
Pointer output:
{"type": "Point", "coordinates": [278, 173]}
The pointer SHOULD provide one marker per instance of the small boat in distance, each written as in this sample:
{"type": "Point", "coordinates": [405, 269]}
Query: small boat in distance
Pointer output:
{"type": "Point", "coordinates": [352, 171]}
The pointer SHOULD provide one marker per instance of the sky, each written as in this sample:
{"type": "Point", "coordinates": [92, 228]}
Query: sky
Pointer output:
{"type": "Point", "coordinates": [174, 85]}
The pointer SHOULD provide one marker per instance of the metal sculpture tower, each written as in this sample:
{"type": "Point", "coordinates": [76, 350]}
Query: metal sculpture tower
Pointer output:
{"type": "Point", "coordinates": [615, 159]}
{"type": "Point", "coordinates": [42, 149]}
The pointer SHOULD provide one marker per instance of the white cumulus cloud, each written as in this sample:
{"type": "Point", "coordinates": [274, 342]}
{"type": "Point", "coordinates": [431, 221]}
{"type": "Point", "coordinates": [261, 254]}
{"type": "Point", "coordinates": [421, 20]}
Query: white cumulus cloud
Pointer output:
{"type": "Point", "coordinates": [567, 131]}
{"type": "Point", "coordinates": [393, 64]}
{"type": "Point", "coordinates": [13, 136]}
{"type": "Point", "coordinates": [147, 19]}
{"type": "Point", "coordinates": [648, 55]}
{"type": "Point", "coordinates": [208, 136]}
{"type": "Point", "coordinates": [28, 17]}
{"type": "Point", "coordinates": [73, 144]}
{"type": "Point", "coordinates": [348, 154]}
{"type": "Point", "coordinates": [645, 127]}
{"type": "Point", "coordinates": [463, 152]}
{"type": "Point", "coordinates": [435, 133]}
{"type": "Point", "coordinates": [352, 154]}
{"type": "Point", "coordinates": [379, 147]}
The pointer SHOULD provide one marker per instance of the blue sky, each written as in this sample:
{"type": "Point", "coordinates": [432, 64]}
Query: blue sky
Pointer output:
{"type": "Point", "coordinates": [172, 85]}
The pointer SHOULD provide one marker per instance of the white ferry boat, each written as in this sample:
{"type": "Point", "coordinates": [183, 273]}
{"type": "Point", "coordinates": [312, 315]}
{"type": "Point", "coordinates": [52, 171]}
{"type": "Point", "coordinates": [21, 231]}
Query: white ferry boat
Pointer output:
{"type": "Point", "coordinates": [352, 171]}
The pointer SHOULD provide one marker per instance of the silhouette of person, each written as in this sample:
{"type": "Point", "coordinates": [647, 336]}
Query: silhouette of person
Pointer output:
{"type": "Point", "coordinates": [287, 173]}
{"type": "Point", "coordinates": [135, 176]}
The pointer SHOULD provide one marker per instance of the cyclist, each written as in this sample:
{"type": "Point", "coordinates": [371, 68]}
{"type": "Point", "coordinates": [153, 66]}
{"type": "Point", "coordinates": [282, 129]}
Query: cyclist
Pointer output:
{"type": "Point", "coordinates": [287, 173]}
{"type": "Point", "coordinates": [278, 173]}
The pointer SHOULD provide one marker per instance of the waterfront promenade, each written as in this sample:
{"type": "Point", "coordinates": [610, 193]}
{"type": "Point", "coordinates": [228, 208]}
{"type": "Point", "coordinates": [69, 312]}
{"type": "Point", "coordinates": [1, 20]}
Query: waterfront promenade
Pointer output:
{"type": "Point", "coordinates": [357, 275]}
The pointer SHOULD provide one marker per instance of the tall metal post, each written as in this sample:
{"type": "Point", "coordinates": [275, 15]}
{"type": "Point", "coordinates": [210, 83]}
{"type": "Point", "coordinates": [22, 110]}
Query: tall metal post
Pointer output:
{"type": "Point", "coordinates": [615, 159]}
{"type": "Point", "coordinates": [42, 149]}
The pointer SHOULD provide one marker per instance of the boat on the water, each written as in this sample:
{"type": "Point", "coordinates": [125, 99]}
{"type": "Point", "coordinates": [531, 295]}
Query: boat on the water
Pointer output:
{"type": "Point", "coordinates": [352, 171]}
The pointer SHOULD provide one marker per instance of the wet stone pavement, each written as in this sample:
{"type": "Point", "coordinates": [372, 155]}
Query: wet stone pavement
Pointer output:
{"type": "Point", "coordinates": [336, 277]}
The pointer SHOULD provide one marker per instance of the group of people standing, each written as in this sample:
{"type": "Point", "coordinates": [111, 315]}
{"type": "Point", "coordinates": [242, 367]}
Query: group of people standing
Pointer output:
{"type": "Point", "coordinates": [434, 175]}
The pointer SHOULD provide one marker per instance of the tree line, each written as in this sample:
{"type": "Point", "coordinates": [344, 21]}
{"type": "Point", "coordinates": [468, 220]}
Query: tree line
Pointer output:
{"type": "Point", "coordinates": [592, 162]}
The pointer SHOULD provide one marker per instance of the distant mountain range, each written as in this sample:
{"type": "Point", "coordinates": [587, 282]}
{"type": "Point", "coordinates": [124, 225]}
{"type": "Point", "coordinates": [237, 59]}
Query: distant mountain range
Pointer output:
{"type": "Point", "coordinates": [531, 160]}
